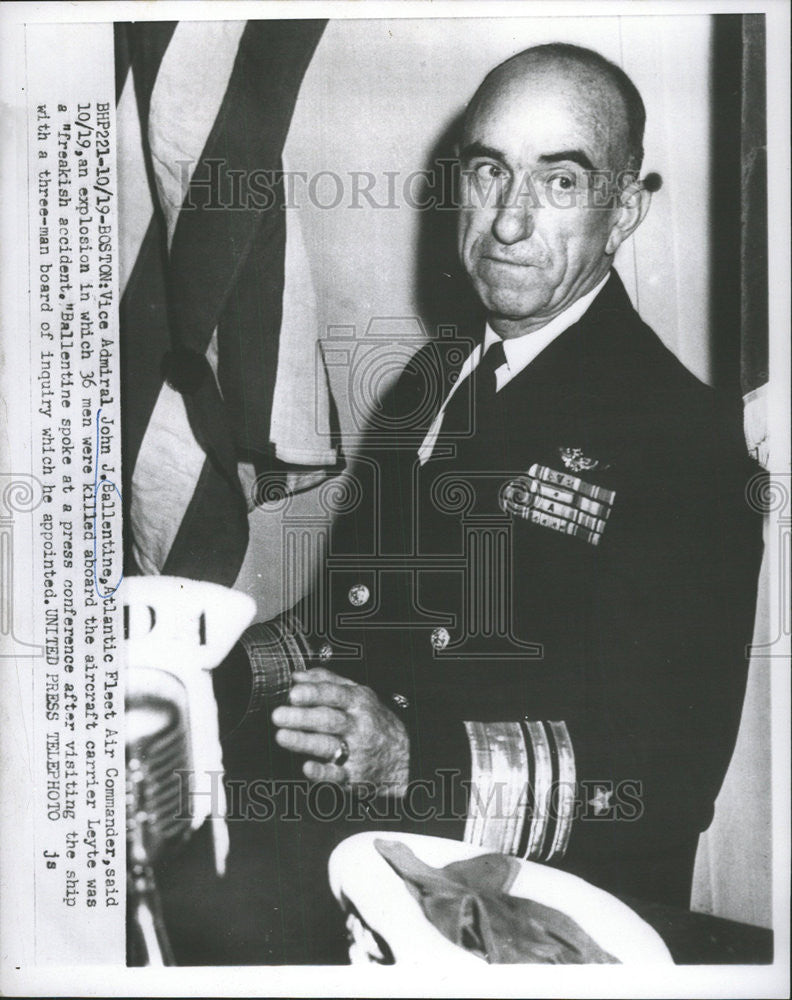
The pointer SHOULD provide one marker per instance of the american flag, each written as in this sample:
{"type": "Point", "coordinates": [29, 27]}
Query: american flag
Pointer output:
{"type": "Point", "coordinates": [219, 327]}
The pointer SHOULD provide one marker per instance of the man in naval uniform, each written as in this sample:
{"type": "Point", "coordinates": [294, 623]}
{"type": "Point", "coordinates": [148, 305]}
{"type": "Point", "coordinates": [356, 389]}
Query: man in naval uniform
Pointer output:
{"type": "Point", "coordinates": [535, 613]}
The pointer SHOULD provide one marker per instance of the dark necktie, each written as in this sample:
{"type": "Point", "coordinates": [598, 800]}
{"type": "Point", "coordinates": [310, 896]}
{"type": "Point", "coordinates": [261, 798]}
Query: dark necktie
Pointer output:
{"type": "Point", "coordinates": [464, 409]}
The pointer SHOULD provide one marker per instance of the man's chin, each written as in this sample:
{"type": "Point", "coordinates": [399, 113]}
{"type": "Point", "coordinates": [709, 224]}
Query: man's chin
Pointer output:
{"type": "Point", "coordinates": [513, 309]}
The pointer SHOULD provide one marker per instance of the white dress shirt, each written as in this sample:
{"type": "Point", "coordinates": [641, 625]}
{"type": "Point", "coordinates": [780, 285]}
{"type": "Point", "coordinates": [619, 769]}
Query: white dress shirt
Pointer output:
{"type": "Point", "coordinates": [519, 351]}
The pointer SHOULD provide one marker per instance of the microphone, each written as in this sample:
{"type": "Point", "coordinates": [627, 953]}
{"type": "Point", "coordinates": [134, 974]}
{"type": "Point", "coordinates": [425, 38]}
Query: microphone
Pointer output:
{"type": "Point", "coordinates": [176, 631]}
{"type": "Point", "coordinates": [156, 749]}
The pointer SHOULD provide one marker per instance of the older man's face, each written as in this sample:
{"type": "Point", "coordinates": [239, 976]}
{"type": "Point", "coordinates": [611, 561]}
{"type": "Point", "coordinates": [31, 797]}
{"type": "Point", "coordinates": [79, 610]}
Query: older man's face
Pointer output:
{"type": "Point", "coordinates": [533, 235]}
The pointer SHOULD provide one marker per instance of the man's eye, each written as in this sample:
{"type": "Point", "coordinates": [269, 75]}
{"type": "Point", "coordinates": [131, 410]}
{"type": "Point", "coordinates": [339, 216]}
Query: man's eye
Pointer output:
{"type": "Point", "coordinates": [489, 171]}
{"type": "Point", "coordinates": [561, 182]}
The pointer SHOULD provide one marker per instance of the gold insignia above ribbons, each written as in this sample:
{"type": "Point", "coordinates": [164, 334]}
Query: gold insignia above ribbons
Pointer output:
{"type": "Point", "coordinates": [574, 459]}
{"type": "Point", "coordinates": [559, 501]}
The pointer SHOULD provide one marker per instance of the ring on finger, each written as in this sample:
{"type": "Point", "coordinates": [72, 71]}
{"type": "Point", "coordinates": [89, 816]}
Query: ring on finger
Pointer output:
{"type": "Point", "coordinates": [341, 756]}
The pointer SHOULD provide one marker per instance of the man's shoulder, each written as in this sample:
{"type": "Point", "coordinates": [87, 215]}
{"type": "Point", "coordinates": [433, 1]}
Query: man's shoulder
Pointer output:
{"type": "Point", "coordinates": [632, 358]}
{"type": "Point", "coordinates": [641, 392]}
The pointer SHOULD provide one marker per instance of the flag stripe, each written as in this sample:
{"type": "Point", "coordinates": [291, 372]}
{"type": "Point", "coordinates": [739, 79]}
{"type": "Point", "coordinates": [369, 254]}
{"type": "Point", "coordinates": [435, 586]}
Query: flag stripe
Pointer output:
{"type": "Point", "coordinates": [209, 246]}
{"type": "Point", "coordinates": [169, 464]}
{"type": "Point", "coordinates": [145, 338]}
{"type": "Point", "coordinates": [206, 546]}
{"type": "Point", "coordinates": [248, 336]}
{"type": "Point", "coordinates": [148, 42]}
{"type": "Point", "coordinates": [300, 435]}
{"type": "Point", "coordinates": [122, 57]}
{"type": "Point", "coordinates": [135, 204]}
{"type": "Point", "coordinates": [187, 80]}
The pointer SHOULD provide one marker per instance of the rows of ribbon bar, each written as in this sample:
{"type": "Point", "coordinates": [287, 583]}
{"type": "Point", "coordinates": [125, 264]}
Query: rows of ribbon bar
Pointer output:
{"type": "Point", "coordinates": [559, 501]}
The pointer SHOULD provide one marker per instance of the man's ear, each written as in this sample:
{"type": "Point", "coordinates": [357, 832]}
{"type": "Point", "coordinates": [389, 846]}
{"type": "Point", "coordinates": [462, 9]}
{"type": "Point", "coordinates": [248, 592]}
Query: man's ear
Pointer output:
{"type": "Point", "coordinates": [633, 204]}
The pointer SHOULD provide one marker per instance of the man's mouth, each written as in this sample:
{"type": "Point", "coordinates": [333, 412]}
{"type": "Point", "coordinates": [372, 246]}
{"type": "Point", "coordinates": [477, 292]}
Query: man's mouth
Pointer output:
{"type": "Point", "coordinates": [505, 261]}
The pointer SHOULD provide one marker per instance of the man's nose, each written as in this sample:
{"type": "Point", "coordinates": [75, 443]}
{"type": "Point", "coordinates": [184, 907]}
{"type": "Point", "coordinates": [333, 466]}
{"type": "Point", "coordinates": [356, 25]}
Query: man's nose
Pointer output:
{"type": "Point", "coordinates": [513, 223]}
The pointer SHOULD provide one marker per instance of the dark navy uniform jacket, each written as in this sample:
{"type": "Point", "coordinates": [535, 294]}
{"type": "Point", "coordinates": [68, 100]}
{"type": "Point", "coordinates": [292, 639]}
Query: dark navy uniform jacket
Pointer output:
{"type": "Point", "coordinates": [557, 604]}
{"type": "Point", "coordinates": [591, 675]}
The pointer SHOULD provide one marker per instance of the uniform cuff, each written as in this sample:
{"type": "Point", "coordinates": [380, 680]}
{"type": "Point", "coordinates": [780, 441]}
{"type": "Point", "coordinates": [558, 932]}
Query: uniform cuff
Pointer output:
{"type": "Point", "coordinates": [275, 650]}
{"type": "Point", "coordinates": [522, 789]}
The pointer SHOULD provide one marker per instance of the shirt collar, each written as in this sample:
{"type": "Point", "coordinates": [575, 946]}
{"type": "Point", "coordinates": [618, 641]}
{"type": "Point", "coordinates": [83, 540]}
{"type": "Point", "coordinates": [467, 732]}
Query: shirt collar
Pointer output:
{"type": "Point", "coordinates": [521, 351]}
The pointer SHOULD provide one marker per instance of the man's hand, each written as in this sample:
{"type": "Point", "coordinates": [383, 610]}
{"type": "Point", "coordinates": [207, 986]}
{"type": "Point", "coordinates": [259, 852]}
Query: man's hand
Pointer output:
{"type": "Point", "coordinates": [325, 709]}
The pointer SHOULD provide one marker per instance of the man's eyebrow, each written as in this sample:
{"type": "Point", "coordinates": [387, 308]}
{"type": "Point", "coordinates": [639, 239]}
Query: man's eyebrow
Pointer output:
{"type": "Point", "coordinates": [572, 155]}
{"type": "Point", "coordinates": [479, 149]}
{"type": "Point", "coordinates": [474, 149]}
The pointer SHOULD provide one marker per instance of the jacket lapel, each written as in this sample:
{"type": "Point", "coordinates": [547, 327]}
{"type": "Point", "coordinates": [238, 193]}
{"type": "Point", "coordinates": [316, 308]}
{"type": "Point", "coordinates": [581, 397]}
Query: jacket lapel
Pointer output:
{"type": "Point", "coordinates": [579, 365]}
{"type": "Point", "coordinates": [573, 409]}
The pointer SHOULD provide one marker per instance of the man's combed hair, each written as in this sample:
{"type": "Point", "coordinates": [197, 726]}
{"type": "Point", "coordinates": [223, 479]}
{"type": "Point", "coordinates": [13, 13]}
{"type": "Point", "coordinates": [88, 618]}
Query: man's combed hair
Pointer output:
{"type": "Point", "coordinates": [635, 111]}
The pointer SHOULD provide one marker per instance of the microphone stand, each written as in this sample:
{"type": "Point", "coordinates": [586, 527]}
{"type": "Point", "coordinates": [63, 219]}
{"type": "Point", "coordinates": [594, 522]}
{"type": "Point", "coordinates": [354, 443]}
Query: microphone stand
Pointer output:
{"type": "Point", "coordinates": [148, 936]}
